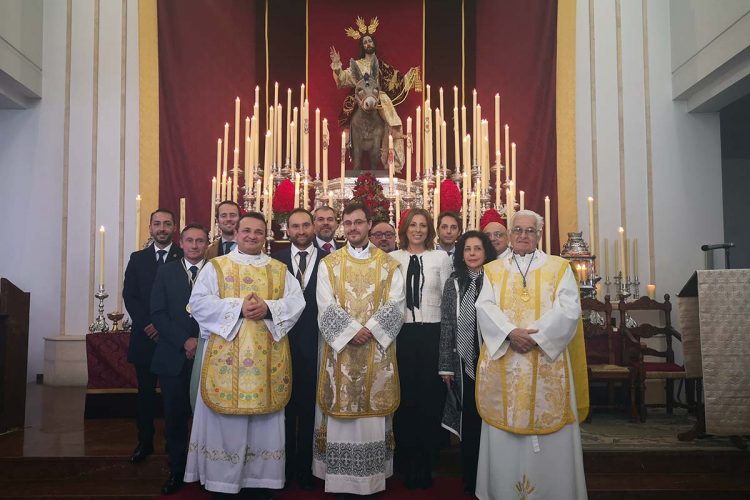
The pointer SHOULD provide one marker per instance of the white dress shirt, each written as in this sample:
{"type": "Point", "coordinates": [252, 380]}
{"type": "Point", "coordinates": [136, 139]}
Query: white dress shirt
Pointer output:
{"type": "Point", "coordinates": [310, 261]}
{"type": "Point", "coordinates": [436, 269]}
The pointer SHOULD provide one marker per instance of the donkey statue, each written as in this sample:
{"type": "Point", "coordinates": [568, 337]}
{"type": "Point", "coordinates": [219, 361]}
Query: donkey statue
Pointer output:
{"type": "Point", "coordinates": [367, 126]}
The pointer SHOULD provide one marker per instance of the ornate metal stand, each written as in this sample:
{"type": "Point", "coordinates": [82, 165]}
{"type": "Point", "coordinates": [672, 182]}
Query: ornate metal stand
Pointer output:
{"type": "Point", "coordinates": [100, 323]}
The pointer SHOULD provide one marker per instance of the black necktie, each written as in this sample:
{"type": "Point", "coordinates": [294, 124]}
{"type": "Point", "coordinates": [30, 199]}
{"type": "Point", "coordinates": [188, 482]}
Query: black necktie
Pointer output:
{"type": "Point", "coordinates": [194, 272]}
{"type": "Point", "coordinates": [301, 269]}
{"type": "Point", "coordinates": [227, 247]}
{"type": "Point", "coordinates": [160, 258]}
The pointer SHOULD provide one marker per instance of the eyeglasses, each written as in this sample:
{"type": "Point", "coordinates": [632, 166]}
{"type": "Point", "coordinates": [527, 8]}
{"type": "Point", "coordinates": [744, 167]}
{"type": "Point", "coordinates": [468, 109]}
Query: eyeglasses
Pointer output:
{"type": "Point", "coordinates": [497, 234]}
{"type": "Point", "coordinates": [358, 222]}
{"type": "Point", "coordinates": [529, 231]}
{"type": "Point", "coordinates": [380, 235]}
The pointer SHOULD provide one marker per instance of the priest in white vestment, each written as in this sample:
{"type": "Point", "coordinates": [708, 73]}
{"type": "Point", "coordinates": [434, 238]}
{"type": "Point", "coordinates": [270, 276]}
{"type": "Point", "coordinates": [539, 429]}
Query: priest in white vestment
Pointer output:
{"type": "Point", "coordinates": [245, 303]}
{"type": "Point", "coordinates": [531, 374]}
{"type": "Point", "coordinates": [360, 311]}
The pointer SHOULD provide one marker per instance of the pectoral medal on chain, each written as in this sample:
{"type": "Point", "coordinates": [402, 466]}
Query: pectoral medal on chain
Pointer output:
{"type": "Point", "coordinates": [525, 295]}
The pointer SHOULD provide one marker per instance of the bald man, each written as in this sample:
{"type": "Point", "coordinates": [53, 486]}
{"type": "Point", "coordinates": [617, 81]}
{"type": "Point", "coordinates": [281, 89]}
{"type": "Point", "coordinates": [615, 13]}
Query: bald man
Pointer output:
{"type": "Point", "coordinates": [499, 238]}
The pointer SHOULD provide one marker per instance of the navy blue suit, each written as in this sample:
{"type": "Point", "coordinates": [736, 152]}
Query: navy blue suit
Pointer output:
{"type": "Point", "coordinates": [169, 297]}
{"type": "Point", "coordinates": [303, 344]}
{"type": "Point", "coordinates": [136, 291]}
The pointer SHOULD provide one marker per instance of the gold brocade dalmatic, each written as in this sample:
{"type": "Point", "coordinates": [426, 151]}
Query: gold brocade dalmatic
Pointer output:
{"type": "Point", "coordinates": [525, 393]}
{"type": "Point", "coordinates": [361, 380]}
{"type": "Point", "coordinates": [251, 374]}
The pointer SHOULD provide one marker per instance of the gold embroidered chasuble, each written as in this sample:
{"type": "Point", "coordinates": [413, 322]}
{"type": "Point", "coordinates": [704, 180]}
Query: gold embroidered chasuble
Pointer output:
{"type": "Point", "coordinates": [252, 373]}
{"type": "Point", "coordinates": [529, 393]}
{"type": "Point", "coordinates": [359, 380]}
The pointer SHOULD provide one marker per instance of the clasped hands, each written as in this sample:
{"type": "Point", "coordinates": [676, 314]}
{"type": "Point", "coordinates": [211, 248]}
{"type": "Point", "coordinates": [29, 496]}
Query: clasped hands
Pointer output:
{"type": "Point", "coordinates": [361, 337]}
{"type": "Point", "coordinates": [254, 307]}
{"type": "Point", "coordinates": [521, 341]}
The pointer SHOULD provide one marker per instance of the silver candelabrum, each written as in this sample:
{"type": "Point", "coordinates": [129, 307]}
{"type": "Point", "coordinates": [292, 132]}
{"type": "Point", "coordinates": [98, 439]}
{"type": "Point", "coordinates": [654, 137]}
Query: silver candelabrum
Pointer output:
{"type": "Point", "coordinates": [100, 323]}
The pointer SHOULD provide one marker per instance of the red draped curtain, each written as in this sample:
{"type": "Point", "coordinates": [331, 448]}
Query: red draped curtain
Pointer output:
{"type": "Point", "coordinates": [211, 52]}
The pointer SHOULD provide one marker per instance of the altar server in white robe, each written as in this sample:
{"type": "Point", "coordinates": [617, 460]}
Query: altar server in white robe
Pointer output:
{"type": "Point", "coordinates": [531, 374]}
{"type": "Point", "coordinates": [245, 303]}
{"type": "Point", "coordinates": [360, 312]}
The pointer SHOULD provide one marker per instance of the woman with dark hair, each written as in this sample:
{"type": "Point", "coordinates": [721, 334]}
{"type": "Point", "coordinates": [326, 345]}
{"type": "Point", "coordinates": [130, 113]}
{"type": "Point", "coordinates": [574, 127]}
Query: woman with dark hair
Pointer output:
{"type": "Point", "coordinates": [417, 420]}
{"type": "Point", "coordinates": [459, 347]}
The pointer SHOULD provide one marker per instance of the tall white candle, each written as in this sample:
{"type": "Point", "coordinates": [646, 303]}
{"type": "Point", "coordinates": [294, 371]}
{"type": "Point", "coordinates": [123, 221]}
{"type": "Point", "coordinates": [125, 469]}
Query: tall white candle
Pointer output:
{"type": "Point", "coordinates": [513, 163]}
{"type": "Point", "coordinates": [278, 135]}
{"type": "Point", "coordinates": [465, 144]}
{"type": "Point", "coordinates": [296, 190]}
{"type": "Point", "coordinates": [258, 195]}
{"type": "Point", "coordinates": [635, 257]}
{"type": "Point", "coordinates": [182, 214]}
{"type": "Point", "coordinates": [293, 133]}
{"type": "Point", "coordinates": [442, 107]}
{"type": "Point", "coordinates": [288, 155]}
{"type": "Point", "coordinates": [326, 139]}
{"type": "Point", "coordinates": [225, 160]}
{"type": "Point", "coordinates": [456, 143]}
{"type": "Point", "coordinates": [592, 236]}
{"type": "Point", "coordinates": [390, 165]}
{"type": "Point", "coordinates": [212, 212]}
{"type": "Point", "coordinates": [438, 145]}
{"type": "Point", "coordinates": [398, 209]}
{"type": "Point", "coordinates": [547, 232]}
{"type": "Point", "coordinates": [444, 143]}
{"type": "Point", "coordinates": [101, 256]}
{"type": "Point", "coordinates": [455, 97]}
{"type": "Point", "coordinates": [497, 122]}
{"type": "Point", "coordinates": [305, 195]}
{"type": "Point", "coordinates": [507, 154]}
{"type": "Point", "coordinates": [464, 198]}
{"type": "Point", "coordinates": [317, 143]}
{"type": "Point", "coordinates": [477, 135]}
{"type": "Point", "coordinates": [605, 245]}
{"type": "Point", "coordinates": [498, 179]}
{"type": "Point", "coordinates": [521, 200]}
{"type": "Point", "coordinates": [235, 173]}
{"type": "Point", "coordinates": [218, 158]}
{"type": "Point", "coordinates": [343, 164]}
{"type": "Point", "coordinates": [237, 123]}
{"type": "Point", "coordinates": [408, 154]}
{"type": "Point", "coordinates": [623, 267]}
{"type": "Point", "coordinates": [418, 135]}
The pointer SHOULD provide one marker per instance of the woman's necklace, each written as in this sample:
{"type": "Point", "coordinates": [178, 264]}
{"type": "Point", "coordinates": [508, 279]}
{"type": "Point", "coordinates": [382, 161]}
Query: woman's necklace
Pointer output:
{"type": "Point", "coordinates": [525, 295]}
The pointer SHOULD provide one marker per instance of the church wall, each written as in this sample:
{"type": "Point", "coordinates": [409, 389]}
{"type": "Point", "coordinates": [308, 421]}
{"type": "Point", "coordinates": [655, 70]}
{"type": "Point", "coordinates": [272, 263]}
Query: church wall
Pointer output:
{"type": "Point", "coordinates": [61, 272]}
{"type": "Point", "coordinates": [614, 156]}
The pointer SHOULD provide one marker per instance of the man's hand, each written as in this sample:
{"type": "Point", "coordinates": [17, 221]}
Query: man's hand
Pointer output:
{"type": "Point", "coordinates": [253, 307]}
{"type": "Point", "coordinates": [362, 336]}
{"type": "Point", "coordinates": [448, 380]}
{"type": "Point", "coordinates": [335, 59]}
{"type": "Point", "coordinates": [190, 347]}
{"type": "Point", "coordinates": [151, 331]}
{"type": "Point", "coordinates": [520, 340]}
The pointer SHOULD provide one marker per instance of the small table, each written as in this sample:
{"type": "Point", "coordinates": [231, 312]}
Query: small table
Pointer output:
{"type": "Point", "coordinates": [112, 384]}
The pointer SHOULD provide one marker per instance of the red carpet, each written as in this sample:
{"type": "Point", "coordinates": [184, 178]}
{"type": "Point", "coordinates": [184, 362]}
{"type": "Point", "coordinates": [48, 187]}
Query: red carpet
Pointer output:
{"type": "Point", "coordinates": [443, 488]}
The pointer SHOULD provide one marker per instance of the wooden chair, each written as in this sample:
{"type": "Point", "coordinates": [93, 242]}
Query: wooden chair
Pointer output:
{"type": "Point", "coordinates": [665, 367]}
{"type": "Point", "coordinates": [612, 357]}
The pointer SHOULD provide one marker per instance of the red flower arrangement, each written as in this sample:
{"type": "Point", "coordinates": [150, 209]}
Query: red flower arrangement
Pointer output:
{"type": "Point", "coordinates": [283, 198]}
{"type": "Point", "coordinates": [450, 196]}
{"type": "Point", "coordinates": [369, 192]}
{"type": "Point", "coordinates": [490, 215]}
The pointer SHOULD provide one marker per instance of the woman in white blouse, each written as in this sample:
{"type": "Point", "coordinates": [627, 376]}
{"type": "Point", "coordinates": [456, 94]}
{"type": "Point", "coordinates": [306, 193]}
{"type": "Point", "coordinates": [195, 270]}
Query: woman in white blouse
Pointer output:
{"type": "Point", "coordinates": [417, 420]}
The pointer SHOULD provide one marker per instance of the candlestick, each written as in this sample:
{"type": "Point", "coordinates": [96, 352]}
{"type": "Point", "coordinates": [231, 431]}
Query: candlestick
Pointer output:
{"type": "Point", "coordinates": [547, 237]}
{"type": "Point", "coordinates": [138, 220]}
{"type": "Point", "coordinates": [101, 255]}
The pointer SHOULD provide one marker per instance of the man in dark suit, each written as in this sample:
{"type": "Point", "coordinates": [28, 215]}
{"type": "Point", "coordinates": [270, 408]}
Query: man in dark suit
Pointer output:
{"type": "Point", "coordinates": [227, 215]}
{"type": "Point", "coordinates": [302, 258]}
{"type": "Point", "coordinates": [136, 291]}
{"type": "Point", "coordinates": [325, 225]}
{"type": "Point", "coordinates": [178, 341]}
